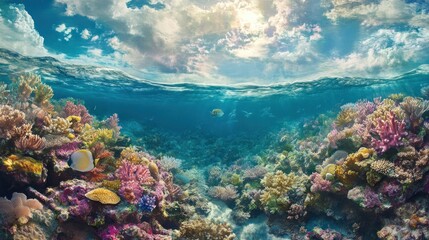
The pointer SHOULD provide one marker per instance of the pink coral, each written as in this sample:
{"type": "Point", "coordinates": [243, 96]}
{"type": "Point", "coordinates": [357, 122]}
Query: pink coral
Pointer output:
{"type": "Point", "coordinates": [390, 133]}
{"type": "Point", "coordinates": [72, 109]}
{"type": "Point", "coordinates": [131, 191]}
{"type": "Point", "coordinates": [134, 172]}
{"type": "Point", "coordinates": [132, 177]}
{"type": "Point", "coordinates": [319, 184]}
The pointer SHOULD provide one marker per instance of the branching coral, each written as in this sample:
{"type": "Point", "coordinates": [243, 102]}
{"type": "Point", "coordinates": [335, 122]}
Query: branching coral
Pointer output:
{"type": "Point", "coordinates": [390, 132]}
{"type": "Point", "coordinates": [10, 119]}
{"type": "Point", "coordinates": [414, 109]}
{"type": "Point", "coordinates": [42, 94]}
{"type": "Point", "coordinates": [90, 136]}
{"type": "Point", "coordinates": [59, 125]}
{"type": "Point", "coordinates": [204, 229]}
{"type": "Point", "coordinates": [169, 163]}
{"type": "Point", "coordinates": [72, 109]}
{"type": "Point", "coordinates": [133, 177]}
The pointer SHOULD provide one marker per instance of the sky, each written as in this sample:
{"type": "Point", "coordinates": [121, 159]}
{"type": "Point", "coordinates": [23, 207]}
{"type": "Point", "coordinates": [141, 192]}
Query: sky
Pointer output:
{"type": "Point", "coordinates": [224, 41]}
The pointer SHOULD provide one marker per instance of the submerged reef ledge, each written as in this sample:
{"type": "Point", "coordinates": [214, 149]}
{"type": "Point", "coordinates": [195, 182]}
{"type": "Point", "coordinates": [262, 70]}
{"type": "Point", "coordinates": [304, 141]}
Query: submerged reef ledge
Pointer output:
{"type": "Point", "coordinates": [65, 174]}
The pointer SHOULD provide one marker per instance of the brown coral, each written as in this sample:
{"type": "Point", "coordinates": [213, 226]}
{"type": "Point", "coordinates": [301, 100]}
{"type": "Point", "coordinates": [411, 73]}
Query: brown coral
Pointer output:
{"type": "Point", "coordinates": [384, 167]}
{"type": "Point", "coordinates": [10, 119]}
{"type": "Point", "coordinates": [205, 229]}
{"type": "Point", "coordinates": [224, 193]}
{"type": "Point", "coordinates": [30, 142]}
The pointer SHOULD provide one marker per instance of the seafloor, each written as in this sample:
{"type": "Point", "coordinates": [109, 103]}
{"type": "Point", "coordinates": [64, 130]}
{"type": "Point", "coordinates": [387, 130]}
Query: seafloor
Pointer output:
{"type": "Point", "coordinates": [361, 173]}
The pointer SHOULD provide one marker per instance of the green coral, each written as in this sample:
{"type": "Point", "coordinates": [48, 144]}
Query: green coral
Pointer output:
{"type": "Point", "coordinates": [274, 197]}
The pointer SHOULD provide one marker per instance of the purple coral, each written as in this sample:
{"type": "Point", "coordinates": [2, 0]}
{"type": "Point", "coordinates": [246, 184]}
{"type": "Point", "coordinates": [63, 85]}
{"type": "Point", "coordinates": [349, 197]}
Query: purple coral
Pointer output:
{"type": "Point", "coordinates": [80, 110]}
{"type": "Point", "coordinates": [73, 194]}
{"type": "Point", "coordinates": [318, 184]}
{"type": "Point", "coordinates": [113, 123]}
{"type": "Point", "coordinates": [390, 133]}
{"type": "Point", "coordinates": [64, 151]}
{"type": "Point", "coordinates": [371, 199]}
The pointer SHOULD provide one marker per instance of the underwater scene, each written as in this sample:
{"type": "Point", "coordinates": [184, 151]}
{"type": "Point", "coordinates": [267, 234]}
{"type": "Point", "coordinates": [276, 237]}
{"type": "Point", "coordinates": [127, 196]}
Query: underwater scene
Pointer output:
{"type": "Point", "coordinates": [214, 120]}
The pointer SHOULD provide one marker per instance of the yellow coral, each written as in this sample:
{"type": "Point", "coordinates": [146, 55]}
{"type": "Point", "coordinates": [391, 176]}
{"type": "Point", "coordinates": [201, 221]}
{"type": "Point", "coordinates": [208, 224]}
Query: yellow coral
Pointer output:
{"type": "Point", "coordinates": [73, 119]}
{"type": "Point", "coordinates": [345, 117]}
{"type": "Point", "coordinates": [91, 135]}
{"type": "Point", "coordinates": [383, 111]}
{"type": "Point", "coordinates": [348, 172]}
{"type": "Point", "coordinates": [103, 195]}
{"type": "Point", "coordinates": [42, 94]}
{"type": "Point", "coordinates": [59, 125]}
{"type": "Point", "coordinates": [276, 185]}
{"type": "Point", "coordinates": [24, 164]}
{"type": "Point", "coordinates": [130, 154]}
{"type": "Point", "coordinates": [113, 185]}
{"type": "Point", "coordinates": [328, 169]}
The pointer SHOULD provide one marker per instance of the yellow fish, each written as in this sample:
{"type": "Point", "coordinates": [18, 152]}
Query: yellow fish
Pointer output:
{"type": "Point", "coordinates": [217, 112]}
{"type": "Point", "coordinates": [82, 161]}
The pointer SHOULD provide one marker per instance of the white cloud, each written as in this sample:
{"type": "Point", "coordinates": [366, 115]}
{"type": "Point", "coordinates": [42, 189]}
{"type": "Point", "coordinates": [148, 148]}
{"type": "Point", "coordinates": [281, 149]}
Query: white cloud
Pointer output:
{"type": "Point", "coordinates": [376, 13]}
{"type": "Point", "coordinates": [61, 28]}
{"type": "Point", "coordinates": [66, 31]}
{"type": "Point", "coordinates": [387, 52]}
{"type": "Point", "coordinates": [95, 38]}
{"type": "Point", "coordinates": [243, 29]}
{"type": "Point", "coordinates": [95, 52]}
{"type": "Point", "coordinates": [18, 32]}
{"type": "Point", "coordinates": [85, 34]}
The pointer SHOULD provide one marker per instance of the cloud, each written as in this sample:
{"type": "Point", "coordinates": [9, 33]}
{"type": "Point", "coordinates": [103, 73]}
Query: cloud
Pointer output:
{"type": "Point", "coordinates": [85, 34]}
{"type": "Point", "coordinates": [66, 31]}
{"type": "Point", "coordinates": [95, 38]}
{"type": "Point", "coordinates": [387, 52]}
{"type": "Point", "coordinates": [18, 32]}
{"type": "Point", "coordinates": [377, 13]}
{"type": "Point", "coordinates": [61, 28]}
{"type": "Point", "coordinates": [190, 36]}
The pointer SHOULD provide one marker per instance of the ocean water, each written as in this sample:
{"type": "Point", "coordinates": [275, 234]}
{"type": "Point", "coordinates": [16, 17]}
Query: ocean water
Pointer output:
{"type": "Point", "coordinates": [282, 129]}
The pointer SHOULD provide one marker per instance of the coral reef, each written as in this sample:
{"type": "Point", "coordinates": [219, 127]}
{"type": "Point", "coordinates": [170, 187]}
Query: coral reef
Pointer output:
{"type": "Point", "coordinates": [321, 179]}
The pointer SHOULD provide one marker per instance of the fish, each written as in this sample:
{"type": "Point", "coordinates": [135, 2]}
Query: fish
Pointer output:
{"type": "Point", "coordinates": [217, 112]}
{"type": "Point", "coordinates": [247, 114]}
{"type": "Point", "coordinates": [81, 160]}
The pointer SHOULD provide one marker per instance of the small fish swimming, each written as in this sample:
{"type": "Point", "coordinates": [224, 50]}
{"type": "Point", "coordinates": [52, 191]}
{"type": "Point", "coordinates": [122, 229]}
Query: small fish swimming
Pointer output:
{"type": "Point", "coordinates": [247, 114]}
{"type": "Point", "coordinates": [82, 161]}
{"type": "Point", "coordinates": [217, 112]}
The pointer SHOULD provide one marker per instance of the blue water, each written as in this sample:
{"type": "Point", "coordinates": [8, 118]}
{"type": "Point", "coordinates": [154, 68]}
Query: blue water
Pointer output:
{"type": "Point", "coordinates": [178, 115]}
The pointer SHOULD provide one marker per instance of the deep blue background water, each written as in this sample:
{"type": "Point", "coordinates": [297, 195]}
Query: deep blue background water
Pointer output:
{"type": "Point", "coordinates": [176, 120]}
